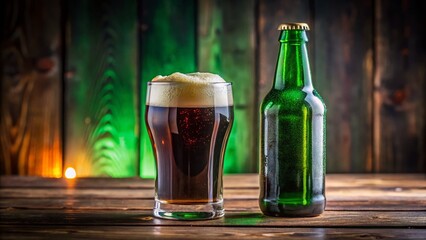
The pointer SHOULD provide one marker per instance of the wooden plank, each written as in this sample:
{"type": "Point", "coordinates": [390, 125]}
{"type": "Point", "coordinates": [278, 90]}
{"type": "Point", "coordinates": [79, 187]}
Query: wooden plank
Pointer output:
{"type": "Point", "coordinates": [30, 88]}
{"type": "Point", "coordinates": [376, 205]}
{"type": "Point", "coordinates": [248, 219]}
{"type": "Point", "coordinates": [77, 193]}
{"type": "Point", "coordinates": [110, 183]}
{"type": "Point", "coordinates": [334, 194]}
{"type": "Point", "coordinates": [343, 76]}
{"type": "Point", "coordinates": [399, 95]}
{"type": "Point", "coordinates": [104, 193]}
{"type": "Point", "coordinates": [238, 205]}
{"type": "Point", "coordinates": [372, 180]}
{"type": "Point", "coordinates": [131, 232]}
{"type": "Point", "coordinates": [271, 15]}
{"type": "Point", "coordinates": [167, 45]}
{"type": "Point", "coordinates": [225, 39]}
{"type": "Point", "coordinates": [101, 117]}
{"type": "Point", "coordinates": [230, 181]}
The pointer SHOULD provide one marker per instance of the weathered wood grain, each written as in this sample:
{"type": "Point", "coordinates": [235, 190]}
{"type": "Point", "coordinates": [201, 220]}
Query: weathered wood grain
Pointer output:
{"type": "Point", "coordinates": [226, 46]}
{"type": "Point", "coordinates": [98, 182]}
{"type": "Point", "coordinates": [249, 219]}
{"type": "Point", "coordinates": [209, 36]}
{"type": "Point", "coordinates": [167, 44]}
{"type": "Point", "coordinates": [249, 205]}
{"type": "Point", "coordinates": [333, 194]}
{"type": "Point", "coordinates": [340, 187]}
{"type": "Point", "coordinates": [360, 206]}
{"type": "Point", "coordinates": [139, 232]}
{"type": "Point", "coordinates": [343, 76]}
{"type": "Point", "coordinates": [351, 192]}
{"type": "Point", "coordinates": [399, 86]}
{"type": "Point", "coordinates": [230, 181]}
{"type": "Point", "coordinates": [30, 88]}
{"type": "Point", "coordinates": [101, 116]}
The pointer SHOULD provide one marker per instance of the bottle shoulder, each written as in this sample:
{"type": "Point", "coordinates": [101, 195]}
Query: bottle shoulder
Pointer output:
{"type": "Point", "coordinates": [293, 100]}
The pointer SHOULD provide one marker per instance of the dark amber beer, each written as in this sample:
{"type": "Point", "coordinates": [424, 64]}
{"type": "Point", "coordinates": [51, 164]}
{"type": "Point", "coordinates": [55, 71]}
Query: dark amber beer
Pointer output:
{"type": "Point", "coordinates": [186, 156]}
{"type": "Point", "coordinates": [189, 124]}
{"type": "Point", "coordinates": [292, 139]}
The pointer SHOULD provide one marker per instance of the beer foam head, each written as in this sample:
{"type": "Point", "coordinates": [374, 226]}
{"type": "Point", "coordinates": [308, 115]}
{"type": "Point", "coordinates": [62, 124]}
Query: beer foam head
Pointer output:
{"type": "Point", "coordinates": [189, 90]}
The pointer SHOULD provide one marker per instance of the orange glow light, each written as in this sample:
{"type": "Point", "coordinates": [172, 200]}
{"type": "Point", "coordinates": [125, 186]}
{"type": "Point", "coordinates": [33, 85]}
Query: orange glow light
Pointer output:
{"type": "Point", "coordinates": [70, 173]}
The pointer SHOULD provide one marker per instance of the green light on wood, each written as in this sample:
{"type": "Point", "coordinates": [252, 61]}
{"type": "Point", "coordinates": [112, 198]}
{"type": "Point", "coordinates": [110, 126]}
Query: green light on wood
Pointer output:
{"type": "Point", "coordinates": [101, 116]}
{"type": "Point", "coordinates": [167, 46]}
{"type": "Point", "coordinates": [225, 48]}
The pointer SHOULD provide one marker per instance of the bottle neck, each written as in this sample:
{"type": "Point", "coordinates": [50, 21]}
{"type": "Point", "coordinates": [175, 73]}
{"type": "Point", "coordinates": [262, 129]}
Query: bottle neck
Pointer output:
{"type": "Point", "coordinates": [293, 63]}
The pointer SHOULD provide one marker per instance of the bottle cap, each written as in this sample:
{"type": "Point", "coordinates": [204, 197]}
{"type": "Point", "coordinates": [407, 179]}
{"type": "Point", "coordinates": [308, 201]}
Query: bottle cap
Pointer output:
{"type": "Point", "coordinates": [293, 26]}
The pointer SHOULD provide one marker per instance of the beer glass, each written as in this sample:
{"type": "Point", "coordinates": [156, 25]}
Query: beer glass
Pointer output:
{"type": "Point", "coordinates": [189, 127]}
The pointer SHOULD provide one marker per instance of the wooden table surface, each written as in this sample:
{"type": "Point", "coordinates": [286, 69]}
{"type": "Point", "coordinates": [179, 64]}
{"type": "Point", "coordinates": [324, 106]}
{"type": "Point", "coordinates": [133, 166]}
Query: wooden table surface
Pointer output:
{"type": "Point", "coordinates": [359, 206]}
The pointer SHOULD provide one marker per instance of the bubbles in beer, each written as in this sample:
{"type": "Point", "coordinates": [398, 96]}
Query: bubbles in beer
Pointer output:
{"type": "Point", "coordinates": [191, 116]}
{"type": "Point", "coordinates": [196, 125]}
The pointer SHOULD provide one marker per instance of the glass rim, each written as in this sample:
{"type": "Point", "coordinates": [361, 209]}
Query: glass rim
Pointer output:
{"type": "Point", "coordinates": [188, 83]}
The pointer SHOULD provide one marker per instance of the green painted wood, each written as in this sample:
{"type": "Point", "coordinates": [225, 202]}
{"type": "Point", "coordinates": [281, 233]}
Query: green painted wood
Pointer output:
{"type": "Point", "coordinates": [30, 88]}
{"type": "Point", "coordinates": [226, 46]}
{"type": "Point", "coordinates": [343, 62]}
{"type": "Point", "coordinates": [399, 86]}
{"type": "Point", "coordinates": [101, 105]}
{"type": "Point", "coordinates": [367, 59]}
{"type": "Point", "coordinates": [167, 45]}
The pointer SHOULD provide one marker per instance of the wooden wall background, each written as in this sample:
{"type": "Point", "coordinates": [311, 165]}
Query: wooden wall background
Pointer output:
{"type": "Point", "coordinates": [74, 73]}
{"type": "Point", "coordinates": [30, 88]}
{"type": "Point", "coordinates": [101, 91]}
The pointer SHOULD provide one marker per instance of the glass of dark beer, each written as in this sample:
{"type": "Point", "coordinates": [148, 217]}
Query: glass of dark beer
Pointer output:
{"type": "Point", "coordinates": [189, 124]}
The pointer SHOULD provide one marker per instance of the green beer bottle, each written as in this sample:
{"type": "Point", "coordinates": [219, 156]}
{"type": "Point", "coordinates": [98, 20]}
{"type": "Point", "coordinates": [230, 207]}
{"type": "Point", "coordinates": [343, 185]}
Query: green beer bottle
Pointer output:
{"type": "Point", "coordinates": [292, 138]}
